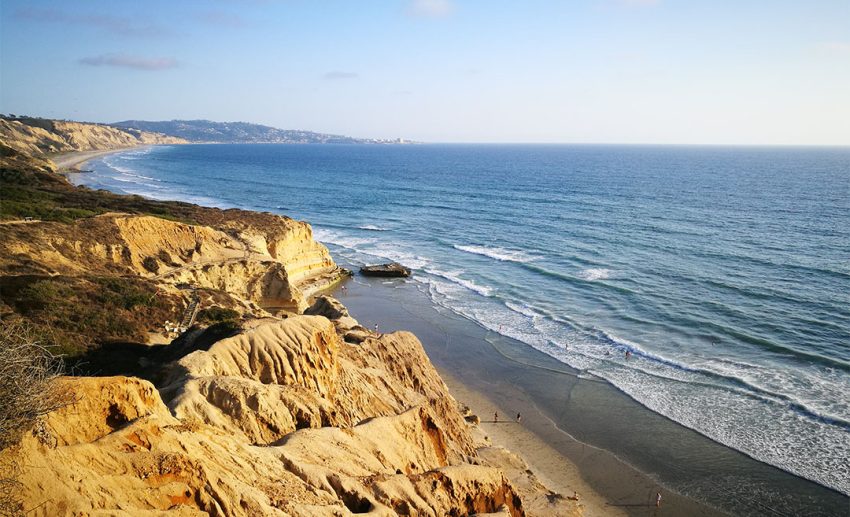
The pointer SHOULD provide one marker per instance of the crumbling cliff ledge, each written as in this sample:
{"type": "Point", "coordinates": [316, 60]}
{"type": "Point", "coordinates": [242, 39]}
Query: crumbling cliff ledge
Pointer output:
{"type": "Point", "coordinates": [287, 418]}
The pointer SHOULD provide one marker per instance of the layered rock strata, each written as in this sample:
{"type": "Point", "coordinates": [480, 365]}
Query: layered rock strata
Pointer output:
{"type": "Point", "coordinates": [280, 268]}
{"type": "Point", "coordinates": [285, 419]}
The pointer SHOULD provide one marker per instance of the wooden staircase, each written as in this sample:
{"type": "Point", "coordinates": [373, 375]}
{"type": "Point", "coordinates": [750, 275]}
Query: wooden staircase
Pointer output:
{"type": "Point", "coordinates": [190, 314]}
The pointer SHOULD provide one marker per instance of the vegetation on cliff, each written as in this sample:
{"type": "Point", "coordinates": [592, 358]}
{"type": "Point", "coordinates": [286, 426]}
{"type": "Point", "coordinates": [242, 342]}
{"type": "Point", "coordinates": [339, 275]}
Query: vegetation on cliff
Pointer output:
{"type": "Point", "coordinates": [77, 313]}
{"type": "Point", "coordinates": [28, 391]}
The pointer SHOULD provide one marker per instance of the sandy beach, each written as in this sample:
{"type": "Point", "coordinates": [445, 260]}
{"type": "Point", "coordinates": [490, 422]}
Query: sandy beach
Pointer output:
{"type": "Point", "coordinates": [74, 161]}
{"type": "Point", "coordinates": [550, 466]}
{"type": "Point", "coordinates": [480, 378]}
{"type": "Point", "coordinates": [580, 434]}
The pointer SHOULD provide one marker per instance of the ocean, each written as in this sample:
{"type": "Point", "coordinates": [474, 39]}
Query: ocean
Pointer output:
{"type": "Point", "coordinates": [723, 272]}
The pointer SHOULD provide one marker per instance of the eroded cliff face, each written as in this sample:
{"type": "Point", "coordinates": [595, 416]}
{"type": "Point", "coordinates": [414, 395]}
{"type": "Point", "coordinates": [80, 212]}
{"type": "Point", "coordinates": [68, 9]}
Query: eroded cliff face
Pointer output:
{"type": "Point", "coordinates": [37, 137]}
{"type": "Point", "coordinates": [279, 268]}
{"type": "Point", "coordinates": [285, 419]}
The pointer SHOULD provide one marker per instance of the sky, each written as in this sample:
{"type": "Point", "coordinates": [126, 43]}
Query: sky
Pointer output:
{"type": "Point", "coordinates": [771, 72]}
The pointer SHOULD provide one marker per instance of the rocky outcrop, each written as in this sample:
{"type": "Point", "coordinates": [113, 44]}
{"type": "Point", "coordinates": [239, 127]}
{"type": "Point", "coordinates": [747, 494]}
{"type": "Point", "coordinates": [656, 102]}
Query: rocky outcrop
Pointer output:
{"type": "Point", "coordinates": [39, 137]}
{"type": "Point", "coordinates": [393, 269]}
{"type": "Point", "coordinates": [298, 373]}
{"type": "Point", "coordinates": [285, 419]}
{"type": "Point", "coordinates": [280, 268]}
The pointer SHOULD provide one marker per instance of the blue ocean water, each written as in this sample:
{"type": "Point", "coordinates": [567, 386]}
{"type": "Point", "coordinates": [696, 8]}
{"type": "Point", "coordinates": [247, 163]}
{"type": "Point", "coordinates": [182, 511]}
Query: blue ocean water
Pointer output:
{"type": "Point", "coordinates": [725, 272]}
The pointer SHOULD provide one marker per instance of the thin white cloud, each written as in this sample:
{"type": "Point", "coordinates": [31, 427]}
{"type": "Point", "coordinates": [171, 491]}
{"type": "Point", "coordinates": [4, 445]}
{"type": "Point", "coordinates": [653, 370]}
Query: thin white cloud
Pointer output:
{"type": "Point", "coordinates": [430, 8]}
{"type": "Point", "coordinates": [336, 75]}
{"type": "Point", "coordinates": [134, 62]}
{"type": "Point", "coordinates": [114, 24]}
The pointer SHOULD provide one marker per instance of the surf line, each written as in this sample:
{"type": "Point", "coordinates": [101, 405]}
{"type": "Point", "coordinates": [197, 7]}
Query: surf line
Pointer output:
{"type": "Point", "coordinates": [596, 378]}
{"type": "Point", "coordinates": [593, 378]}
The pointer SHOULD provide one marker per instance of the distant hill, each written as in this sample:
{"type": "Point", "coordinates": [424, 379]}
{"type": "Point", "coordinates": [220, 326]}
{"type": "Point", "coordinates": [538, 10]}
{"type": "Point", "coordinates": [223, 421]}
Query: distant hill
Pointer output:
{"type": "Point", "coordinates": [241, 133]}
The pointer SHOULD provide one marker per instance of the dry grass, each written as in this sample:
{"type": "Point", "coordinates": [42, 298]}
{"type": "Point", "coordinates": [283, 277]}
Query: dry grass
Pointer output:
{"type": "Point", "coordinates": [27, 391]}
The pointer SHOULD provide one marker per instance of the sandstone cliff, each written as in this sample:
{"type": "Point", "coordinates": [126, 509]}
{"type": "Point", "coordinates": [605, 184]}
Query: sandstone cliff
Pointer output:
{"type": "Point", "coordinates": [278, 267]}
{"type": "Point", "coordinates": [285, 419]}
{"type": "Point", "coordinates": [40, 137]}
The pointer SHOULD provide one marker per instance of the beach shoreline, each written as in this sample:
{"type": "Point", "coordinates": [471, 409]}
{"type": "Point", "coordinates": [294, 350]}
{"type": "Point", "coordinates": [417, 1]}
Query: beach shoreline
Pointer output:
{"type": "Point", "coordinates": [605, 483]}
{"type": "Point", "coordinates": [554, 470]}
{"type": "Point", "coordinates": [582, 434]}
{"type": "Point", "coordinates": [73, 161]}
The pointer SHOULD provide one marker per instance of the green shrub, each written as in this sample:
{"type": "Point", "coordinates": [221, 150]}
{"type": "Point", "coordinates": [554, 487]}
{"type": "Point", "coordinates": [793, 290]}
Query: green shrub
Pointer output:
{"type": "Point", "coordinates": [89, 311]}
{"type": "Point", "coordinates": [151, 264]}
{"type": "Point", "coordinates": [217, 314]}
{"type": "Point", "coordinates": [225, 328]}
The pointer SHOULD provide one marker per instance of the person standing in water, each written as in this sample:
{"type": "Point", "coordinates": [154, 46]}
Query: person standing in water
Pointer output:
{"type": "Point", "coordinates": [518, 418]}
{"type": "Point", "coordinates": [657, 499]}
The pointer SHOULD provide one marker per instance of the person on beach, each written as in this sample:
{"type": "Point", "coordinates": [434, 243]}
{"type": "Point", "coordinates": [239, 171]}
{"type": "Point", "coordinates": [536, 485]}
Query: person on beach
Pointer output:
{"type": "Point", "coordinates": [376, 329]}
{"type": "Point", "coordinates": [496, 417]}
{"type": "Point", "coordinates": [518, 418]}
{"type": "Point", "coordinates": [657, 499]}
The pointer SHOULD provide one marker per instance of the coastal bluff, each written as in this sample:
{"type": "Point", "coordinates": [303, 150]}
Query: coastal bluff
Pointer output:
{"type": "Point", "coordinates": [39, 138]}
{"type": "Point", "coordinates": [213, 374]}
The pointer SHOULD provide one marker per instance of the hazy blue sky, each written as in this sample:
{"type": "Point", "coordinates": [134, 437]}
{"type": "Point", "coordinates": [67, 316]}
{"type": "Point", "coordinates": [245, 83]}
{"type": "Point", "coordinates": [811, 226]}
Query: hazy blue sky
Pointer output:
{"type": "Point", "coordinates": [655, 71]}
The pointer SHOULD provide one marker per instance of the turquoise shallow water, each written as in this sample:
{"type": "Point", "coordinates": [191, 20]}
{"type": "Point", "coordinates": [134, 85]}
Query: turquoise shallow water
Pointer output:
{"type": "Point", "coordinates": [724, 272]}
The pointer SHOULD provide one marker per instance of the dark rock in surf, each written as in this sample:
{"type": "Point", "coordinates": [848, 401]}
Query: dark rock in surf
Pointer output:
{"type": "Point", "coordinates": [393, 270]}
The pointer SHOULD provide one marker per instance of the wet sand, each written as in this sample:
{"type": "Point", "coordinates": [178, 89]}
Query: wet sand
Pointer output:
{"type": "Point", "coordinates": [73, 161]}
{"type": "Point", "coordinates": [583, 434]}
{"type": "Point", "coordinates": [552, 468]}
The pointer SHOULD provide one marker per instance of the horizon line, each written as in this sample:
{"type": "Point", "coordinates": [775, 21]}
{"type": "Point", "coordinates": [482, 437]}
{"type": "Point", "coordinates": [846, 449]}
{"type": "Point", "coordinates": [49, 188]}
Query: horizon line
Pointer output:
{"type": "Point", "coordinates": [413, 141]}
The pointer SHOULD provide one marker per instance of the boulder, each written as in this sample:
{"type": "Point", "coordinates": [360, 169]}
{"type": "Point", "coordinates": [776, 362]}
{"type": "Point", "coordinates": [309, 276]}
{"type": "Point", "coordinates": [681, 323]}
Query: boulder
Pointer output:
{"type": "Point", "coordinates": [393, 269]}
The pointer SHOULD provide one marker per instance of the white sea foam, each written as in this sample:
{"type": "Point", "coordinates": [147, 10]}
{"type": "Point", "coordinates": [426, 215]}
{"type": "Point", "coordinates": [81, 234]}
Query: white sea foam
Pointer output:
{"type": "Point", "coordinates": [454, 276]}
{"type": "Point", "coordinates": [503, 254]}
{"type": "Point", "coordinates": [522, 309]}
{"type": "Point", "coordinates": [339, 239]}
{"type": "Point", "coordinates": [372, 228]}
{"type": "Point", "coordinates": [122, 170]}
{"type": "Point", "coordinates": [396, 253]}
{"type": "Point", "coordinates": [592, 274]}
{"type": "Point", "coordinates": [673, 387]}
{"type": "Point", "coordinates": [142, 176]}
